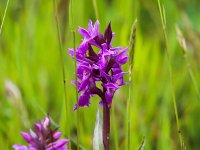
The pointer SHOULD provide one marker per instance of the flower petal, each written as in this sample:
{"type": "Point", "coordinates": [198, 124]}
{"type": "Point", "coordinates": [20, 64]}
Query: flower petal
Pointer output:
{"type": "Point", "coordinates": [57, 135]}
{"type": "Point", "coordinates": [71, 52]}
{"type": "Point", "coordinates": [111, 86]}
{"type": "Point", "coordinates": [83, 32]}
{"type": "Point", "coordinates": [84, 100]}
{"type": "Point", "coordinates": [20, 147]}
{"type": "Point", "coordinates": [122, 57]}
{"type": "Point", "coordinates": [26, 136]}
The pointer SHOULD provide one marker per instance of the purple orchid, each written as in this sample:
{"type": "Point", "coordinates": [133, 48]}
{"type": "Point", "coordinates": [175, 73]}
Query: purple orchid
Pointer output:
{"type": "Point", "coordinates": [104, 67]}
{"type": "Point", "coordinates": [44, 138]}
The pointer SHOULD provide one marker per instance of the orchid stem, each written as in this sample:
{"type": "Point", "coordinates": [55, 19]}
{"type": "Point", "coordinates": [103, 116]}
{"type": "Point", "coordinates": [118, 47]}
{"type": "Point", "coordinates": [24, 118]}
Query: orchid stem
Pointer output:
{"type": "Point", "coordinates": [106, 126]}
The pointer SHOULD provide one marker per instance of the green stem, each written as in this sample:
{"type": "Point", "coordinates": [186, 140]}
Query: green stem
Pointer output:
{"type": "Point", "coordinates": [131, 47]}
{"type": "Point", "coordinates": [95, 9]}
{"type": "Point", "coordinates": [163, 20]}
{"type": "Point", "coordinates": [128, 116]}
{"type": "Point", "coordinates": [76, 82]}
{"type": "Point", "coordinates": [192, 75]}
{"type": "Point", "coordinates": [71, 20]}
{"type": "Point", "coordinates": [4, 15]}
{"type": "Point", "coordinates": [63, 69]}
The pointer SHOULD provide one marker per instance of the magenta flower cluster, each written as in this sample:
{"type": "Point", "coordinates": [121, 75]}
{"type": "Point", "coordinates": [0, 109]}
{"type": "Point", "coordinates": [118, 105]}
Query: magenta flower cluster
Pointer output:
{"type": "Point", "coordinates": [103, 66]}
{"type": "Point", "coordinates": [43, 138]}
{"type": "Point", "coordinates": [99, 72]}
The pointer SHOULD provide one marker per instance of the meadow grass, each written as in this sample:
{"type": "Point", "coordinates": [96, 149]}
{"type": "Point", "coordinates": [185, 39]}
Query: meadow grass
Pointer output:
{"type": "Point", "coordinates": [4, 15]}
{"type": "Point", "coordinates": [164, 23]}
{"type": "Point", "coordinates": [131, 48]}
{"type": "Point", "coordinates": [63, 70]}
{"type": "Point", "coordinates": [30, 58]}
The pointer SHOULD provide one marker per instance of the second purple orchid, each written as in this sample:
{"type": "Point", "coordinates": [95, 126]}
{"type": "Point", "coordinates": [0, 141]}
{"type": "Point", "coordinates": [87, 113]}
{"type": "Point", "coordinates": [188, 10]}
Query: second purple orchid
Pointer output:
{"type": "Point", "coordinates": [43, 138]}
{"type": "Point", "coordinates": [104, 66]}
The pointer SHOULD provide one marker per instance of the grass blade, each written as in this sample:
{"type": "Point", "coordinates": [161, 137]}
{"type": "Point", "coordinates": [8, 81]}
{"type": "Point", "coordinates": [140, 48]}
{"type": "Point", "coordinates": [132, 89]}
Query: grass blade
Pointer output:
{"type": "Point", "coordinates": [182, 43]}
{"type": "Point", "coordinates": [142, 144]}
{"type": "Point", "coordinates": [71, 21]}
{"type": "Point", "coordinates": [131, 63]}
{"type": "Point", "coordinates": [132, 42]}
{"type": "Point", "coordinates": [76, 82]}
{"type": "Point", "coordinates": [63, 69]}
{"type": "Point", "coordinates": [4, 15]}
{"type": "Point", "coordinates": [163, 20]}
{"type": "Point", "coordinates": [95, 8]}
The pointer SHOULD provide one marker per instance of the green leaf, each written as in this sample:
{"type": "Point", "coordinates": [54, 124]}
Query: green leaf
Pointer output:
{"type": "Point", "coordinates": [142, 144]}
{"type": "Point", "coordinates": [98, 138]}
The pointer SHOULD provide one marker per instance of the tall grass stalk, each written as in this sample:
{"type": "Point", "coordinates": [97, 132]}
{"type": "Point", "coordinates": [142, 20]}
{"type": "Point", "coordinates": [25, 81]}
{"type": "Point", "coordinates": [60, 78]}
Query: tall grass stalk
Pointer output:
{"type": "Point", "coordinates": [71, 17]}
{"type": "Point", "coordinates": [14, 94]}
{"type": "Point", "coordinates": [163, 20]}
{"type": "Point", "coordinates": [183, 44]}
{"type": "Point", "coordinates": [71, 21]}
{"type": "Point", "coordinates": [132, 41]}
{"type": "Point", "coordinates": [63, 70]}
{"type": "Point", "coordinates": [4, 15]}
{"type": "Point", "coordinates": [95, 8]}
{"type": "Point", "coordinates": [76, 82]}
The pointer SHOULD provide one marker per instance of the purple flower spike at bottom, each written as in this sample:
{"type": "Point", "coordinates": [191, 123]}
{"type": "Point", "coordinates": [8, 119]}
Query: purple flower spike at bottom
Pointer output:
{"type": "Point", "coordinates": [103, 66]}
{"type": "Point", "coordinates": [43, 138]}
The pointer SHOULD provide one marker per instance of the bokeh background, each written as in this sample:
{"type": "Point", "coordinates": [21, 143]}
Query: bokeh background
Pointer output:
{"type": "Point", "coordinates": [31, 81]}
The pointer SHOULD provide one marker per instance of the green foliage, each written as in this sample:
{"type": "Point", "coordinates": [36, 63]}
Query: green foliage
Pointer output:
{"type": "Point", "coordinates": [30, 59]}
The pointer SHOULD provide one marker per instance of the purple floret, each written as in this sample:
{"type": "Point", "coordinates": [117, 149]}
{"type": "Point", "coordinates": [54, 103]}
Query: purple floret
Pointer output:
{"type": "Point", "coordinates": [104, 66]}
{"type": "Point", "coordinates": [43, 138]}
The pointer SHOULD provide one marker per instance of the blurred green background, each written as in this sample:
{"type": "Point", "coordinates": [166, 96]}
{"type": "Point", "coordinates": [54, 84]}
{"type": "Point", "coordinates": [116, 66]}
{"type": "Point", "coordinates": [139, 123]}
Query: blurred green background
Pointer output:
{"type": "Point", "coordinates": [31, 73]}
